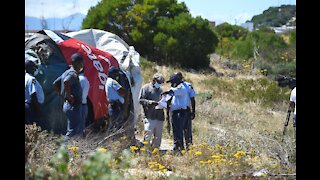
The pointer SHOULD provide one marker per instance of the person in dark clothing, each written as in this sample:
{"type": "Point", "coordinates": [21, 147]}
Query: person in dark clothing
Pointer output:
{"type": "Point", "coordinates": [68, 85]}
{"type": "Point", "coordinates": [178, 110]}
{"type": "Point", "coordinates": [191, 109]}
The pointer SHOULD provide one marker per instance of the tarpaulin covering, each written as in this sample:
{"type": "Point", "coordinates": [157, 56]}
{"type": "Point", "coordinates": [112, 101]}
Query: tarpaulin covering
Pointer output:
{"type": "Point", "coordinates": [54, 51]}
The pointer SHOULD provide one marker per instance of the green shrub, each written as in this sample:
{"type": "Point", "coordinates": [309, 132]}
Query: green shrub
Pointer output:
{"type": "Point", "coordinates": [286, 69]}
{"type": "Point", "coordinates": [262, 90]}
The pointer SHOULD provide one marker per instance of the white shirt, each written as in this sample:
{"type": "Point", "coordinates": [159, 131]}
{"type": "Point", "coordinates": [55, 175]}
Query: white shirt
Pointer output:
{"type": "Point", "coordinates": [31, 85]}
{"type": "Point", "coordinates": [85, 87]}
{"type": "Point", "coordinates": [112, 87]}
{"type": "Point", "coordinates": [293, 98]}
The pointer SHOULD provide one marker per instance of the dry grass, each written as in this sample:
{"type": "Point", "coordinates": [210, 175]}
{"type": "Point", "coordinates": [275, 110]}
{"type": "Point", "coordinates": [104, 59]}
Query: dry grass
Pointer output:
{"type": "Point", "coordinates": [220, 121]}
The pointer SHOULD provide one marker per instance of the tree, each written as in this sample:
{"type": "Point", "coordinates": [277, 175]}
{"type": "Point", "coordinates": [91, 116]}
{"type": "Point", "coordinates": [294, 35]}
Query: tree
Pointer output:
{"type": "Point", "coordinates": [162, 30]}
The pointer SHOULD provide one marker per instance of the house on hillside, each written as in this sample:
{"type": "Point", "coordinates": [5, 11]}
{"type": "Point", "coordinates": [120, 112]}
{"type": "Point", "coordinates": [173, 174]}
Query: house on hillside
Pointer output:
{"type": "Point", "coordinates": [283, 29]}
{"type": "Point", "coordinates": [212, 23]}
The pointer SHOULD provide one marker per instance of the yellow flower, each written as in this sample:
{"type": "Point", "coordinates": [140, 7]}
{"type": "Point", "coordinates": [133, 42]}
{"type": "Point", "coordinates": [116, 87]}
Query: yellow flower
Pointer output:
{"type": "Point", "coordinates": [203, 162]}
{"type": "Point", "coordinates": [198, 153]}
{"type": "Point", "coordinates": [164, 170]}
{"type": "Point", "coordinates": [183, 152]}
{"type": "Point", "coordinates": [145, 142]}
{"type": "Point", "coordinates": [161, 167]}
{"type": "Point", "coordinates": [218, 146]}
{"type": "Point", "coordinates": [76, 155]}
{"type": "Point", "coordinates": [143, 149]}
{"type": "Point", "coordinates": [239, 154]}
{"type": "Point", "coordinates": [151, 163]}
{"type": "Point", "coordinates": [74, 148]}
{"type": "Point", "coordinates": [215, 157]}
{"type": "Point", "coordinates": [102, 150]}
{"type": "Point", "coordinates": [133, 148]}
{"type": "Point", "coordinates": [209, 161]}
{"type": "Point", "coordinates": [155, 150]}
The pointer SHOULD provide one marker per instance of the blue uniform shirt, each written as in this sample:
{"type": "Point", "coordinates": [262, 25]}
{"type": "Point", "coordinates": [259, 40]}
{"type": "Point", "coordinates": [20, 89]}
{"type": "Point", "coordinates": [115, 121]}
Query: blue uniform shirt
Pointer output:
{"type": "Point", "coordinates": [112, 87]}
{"type": "Point", "coordinates": [32, 86]}
{"type": "Point", "coordinates": [191, 92]}
{"type": "Point", "coordinates": [180, 98]}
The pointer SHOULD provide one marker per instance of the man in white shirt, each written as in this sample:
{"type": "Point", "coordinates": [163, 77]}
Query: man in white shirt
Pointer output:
{"type": "Point", "coordinates": [293, 102]}
{"type": "Point", "coordinates": [85, 85]}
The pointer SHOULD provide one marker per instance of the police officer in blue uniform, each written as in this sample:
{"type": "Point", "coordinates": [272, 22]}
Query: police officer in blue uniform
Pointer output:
{"type": "Point", "coordinates": [33, 93]}
{"type": "Point", "coordinates": [178, 110]}
{"type": "Point", "coordinates": [191, 109]}
{"type": "Point", "coordinates": [115, 95]}
{"type": "Point", "coordinates": [68, 85]}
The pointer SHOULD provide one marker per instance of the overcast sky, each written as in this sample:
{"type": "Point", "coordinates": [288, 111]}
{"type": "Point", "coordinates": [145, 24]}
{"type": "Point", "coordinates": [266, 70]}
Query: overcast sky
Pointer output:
{"type": "Point", "coordinates": [231, 11]}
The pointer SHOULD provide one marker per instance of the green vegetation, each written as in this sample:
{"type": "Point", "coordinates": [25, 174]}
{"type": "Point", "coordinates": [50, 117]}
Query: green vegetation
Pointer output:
{"type": "Point", "coordinates": [263, 48]}
{"type": "Point", "coordinates": [276, 16]}
{"type": "Point", "coordinates": [163, 31]}
{"type": "Point", "coordinates": [261, 90]}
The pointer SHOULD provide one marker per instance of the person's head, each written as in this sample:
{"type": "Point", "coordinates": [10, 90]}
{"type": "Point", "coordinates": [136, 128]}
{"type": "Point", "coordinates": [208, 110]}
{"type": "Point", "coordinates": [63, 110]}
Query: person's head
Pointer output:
{"type": "Point", "coordinates": [174, 79]}
{"type": "Point", "coordinates": [113, 72]}
{"type": "Point", "coordinates": [31, 67]}
{"type": "Point", "coordinates": [157, 80]}
{"type": "Point", "coordinates": [179, 75]}
{"type": "Point", "coordinates": [77, 62]}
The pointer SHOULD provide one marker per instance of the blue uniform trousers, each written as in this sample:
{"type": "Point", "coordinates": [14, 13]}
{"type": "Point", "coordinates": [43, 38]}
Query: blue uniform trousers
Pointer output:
{"type": "Point", "coordinates": [188, 129]}
{"type": "Point", "coordinates": [74, 118]}
{"type": "Point", "coordinates": [30, 115]}
{"type": "Point", "coordinates": [179, 118]}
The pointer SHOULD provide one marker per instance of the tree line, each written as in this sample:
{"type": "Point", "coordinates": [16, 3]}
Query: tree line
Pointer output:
{"type": "Point", "coordinates": [165, 32]}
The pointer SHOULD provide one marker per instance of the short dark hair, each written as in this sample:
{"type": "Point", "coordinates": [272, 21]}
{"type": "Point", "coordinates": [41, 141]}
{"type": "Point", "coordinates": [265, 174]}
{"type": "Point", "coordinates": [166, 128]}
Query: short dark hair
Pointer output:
{"type": "Point", "coordinates": [76, 58]}
{"type": "Point", "coordinates": [113, 70]}
{"type": "Point", "coordinates": [29, 64]}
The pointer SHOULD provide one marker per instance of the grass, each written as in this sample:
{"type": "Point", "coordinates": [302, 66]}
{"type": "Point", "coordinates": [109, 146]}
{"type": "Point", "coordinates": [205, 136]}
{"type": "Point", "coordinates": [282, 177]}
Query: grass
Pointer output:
{"type": "Point", "coordinates": [237, 131]}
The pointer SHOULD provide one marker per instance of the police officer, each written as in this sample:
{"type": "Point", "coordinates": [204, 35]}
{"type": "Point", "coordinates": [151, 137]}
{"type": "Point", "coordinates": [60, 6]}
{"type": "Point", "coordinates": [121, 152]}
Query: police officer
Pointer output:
{"type": "Point", "coordinates": [33, 93]}
{"type": "Point", "coordinates": [178, 110]}
{"type": "Point", "coordinates": [68, 85]}
{"type": "Point", "coordinates": [191, 109]}
{"type": "Point", "coordinates": [115, 95]}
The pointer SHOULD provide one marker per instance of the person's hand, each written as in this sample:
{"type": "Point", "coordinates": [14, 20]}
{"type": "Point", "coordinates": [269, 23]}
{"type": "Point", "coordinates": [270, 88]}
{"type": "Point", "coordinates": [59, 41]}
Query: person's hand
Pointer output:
{"type": "Point", "coordinates": [151, 102]}
{"type": "Point", "coordinates": [165, 92]}
{"type": "Point", "coordinates": [193, 115]}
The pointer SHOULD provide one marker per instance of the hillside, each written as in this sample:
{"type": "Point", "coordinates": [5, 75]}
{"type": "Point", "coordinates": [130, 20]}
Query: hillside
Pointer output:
{"type": "Point", "coordinates": [237, 132]}
{"type": "Point", "coordinates": [276, 17]}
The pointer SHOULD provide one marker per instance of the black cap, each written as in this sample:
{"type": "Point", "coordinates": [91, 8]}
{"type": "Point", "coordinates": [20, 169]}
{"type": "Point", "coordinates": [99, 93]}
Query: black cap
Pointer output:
{"type": "Point", "coordinates": [29, 64]}
{"type": "Point", "coordinates": [113, 70]}
{"type": "Point", "coordinates": [76, 57]}
{"type": "Point", "coordinates": [173, 78]}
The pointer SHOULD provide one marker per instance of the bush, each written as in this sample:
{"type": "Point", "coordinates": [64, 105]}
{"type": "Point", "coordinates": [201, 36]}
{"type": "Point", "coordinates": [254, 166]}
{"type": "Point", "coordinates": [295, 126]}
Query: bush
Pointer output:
{"type": "Point", "coordinates": [262, 90]}
{"type": "Point", "coordinates": [286, 69]}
